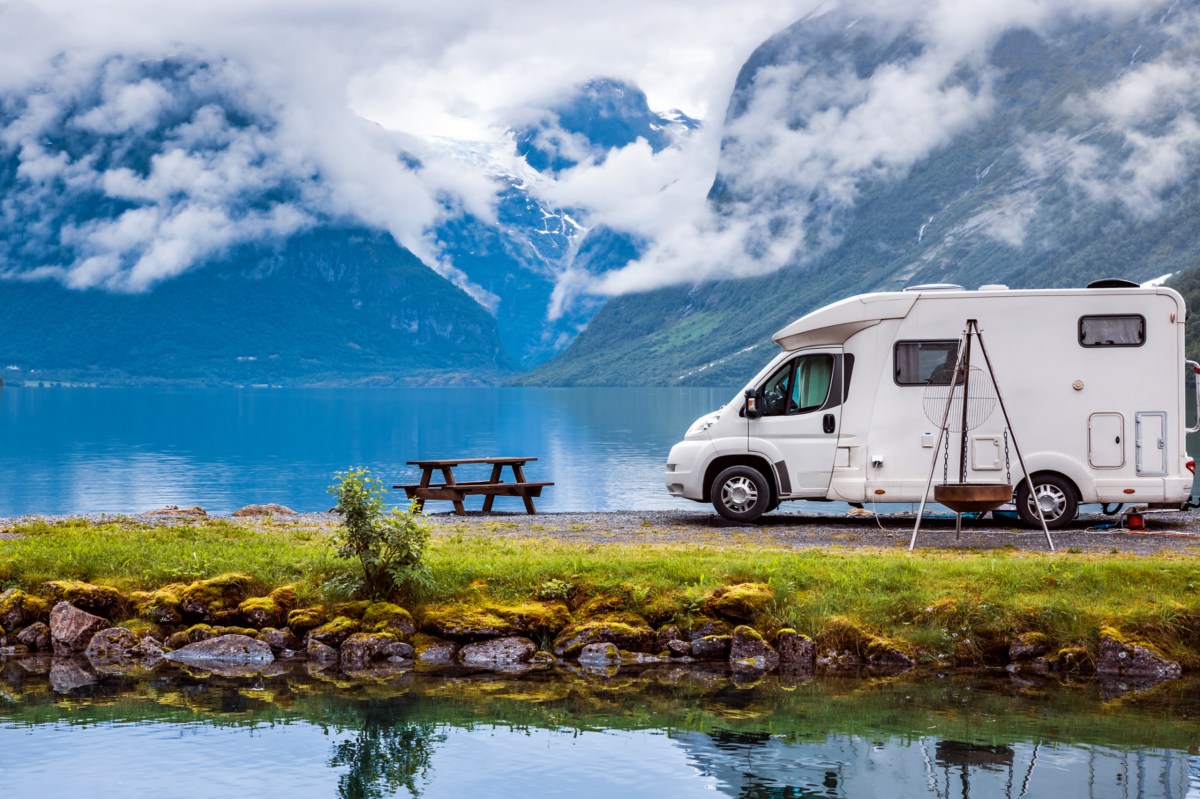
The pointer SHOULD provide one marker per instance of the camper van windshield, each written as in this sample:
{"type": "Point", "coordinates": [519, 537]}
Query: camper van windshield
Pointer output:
{"type": "Point", "coordinates": [919, 363]}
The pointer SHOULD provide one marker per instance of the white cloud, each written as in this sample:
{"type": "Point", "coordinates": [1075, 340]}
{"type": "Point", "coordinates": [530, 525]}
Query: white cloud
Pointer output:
{"type": "Point", "coordinates": [348, 86]}
{"type": "Point", "coordinates": [1147, 111]}
{"type": "Point", "coordinates": [127, 108]}
{"type": "Point", "coordinates": [342, 89]}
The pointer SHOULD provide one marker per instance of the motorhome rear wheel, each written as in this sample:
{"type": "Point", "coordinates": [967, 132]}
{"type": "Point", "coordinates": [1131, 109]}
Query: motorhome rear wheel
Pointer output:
{"type": "Point", "coordinates": [1056, 496]}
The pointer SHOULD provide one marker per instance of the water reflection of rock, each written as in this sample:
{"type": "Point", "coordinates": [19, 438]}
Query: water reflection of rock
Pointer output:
{"type": "Point", "coordinates": [750, 766]}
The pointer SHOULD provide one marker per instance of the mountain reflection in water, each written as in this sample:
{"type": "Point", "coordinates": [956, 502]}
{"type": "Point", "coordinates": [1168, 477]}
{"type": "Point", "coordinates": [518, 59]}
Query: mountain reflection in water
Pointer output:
{"type": "Point", "coordinates": [664, 733]}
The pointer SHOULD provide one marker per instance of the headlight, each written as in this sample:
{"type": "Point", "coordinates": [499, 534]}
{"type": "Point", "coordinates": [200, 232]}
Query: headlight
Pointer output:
{"type": "Point", "coordinates": [702, 424]}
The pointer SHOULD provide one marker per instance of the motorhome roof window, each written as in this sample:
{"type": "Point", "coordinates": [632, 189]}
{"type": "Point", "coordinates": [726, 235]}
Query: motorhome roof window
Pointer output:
{"type": "Point", "coordinates": [1112, 331]}
{"type": "Point", "coordinates": [919, 362]}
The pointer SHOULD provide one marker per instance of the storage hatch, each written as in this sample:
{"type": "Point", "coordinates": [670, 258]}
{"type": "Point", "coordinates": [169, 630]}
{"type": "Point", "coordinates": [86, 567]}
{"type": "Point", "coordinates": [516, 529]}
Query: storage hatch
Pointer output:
{"type": "Point", "coordinates": [1106, 440]}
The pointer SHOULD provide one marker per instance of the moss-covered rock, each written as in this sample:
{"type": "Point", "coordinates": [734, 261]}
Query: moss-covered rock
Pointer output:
{"type": "Point", "coordinates": [199, 632]}
{"type": "Point", "coordinates": [433, 651]}
{"type": "Point", "coordinates": [143, 628]}
{"type": "Point", "coordinates": [19, 609]}
{"type": "Point", "coordinates": [1074, 659]}
{"type": "Point", "coordinates": [488, 619]}
{"type": "Point", "coordinates": [261, 611]}
{"type": "Point", "coordinates": [279, 640]}
{"type": "Point", "coordinates": [795, 649]}
{"type": "Point", "coordinates": [625, 630]}
{"type": "Point", "coordinates": [711, 647]}
{"type": "Point", "coordinates": [100, 600]}
{"type": "Point", "coordinates": [320, 654]}
{"type": "Point", "coordinates": [663, 607]}
{"type": "Point", "coordinates": [603, 655]}
{"type": "Point", "coordinates": [843, 635]}
{"type": "Point", "coordinates": [351, 610]}
{"type": "Point", "coordinates": [361, 649]}
{"type": "Point", "coordinates": [118, 646]}
{"type": "Point", "coordinates": [600, 606]}
{"type": "Point", "coordinates": [301, 620]}
{"type": "Point", "coordinates": [161, 606]}
{"type": "Point", "coordinates": [333, 633]}
{"type": "Point", "coordinates": [1028, 646]}
{"type": "Point", "coordinates": [36, 637]}
{"type": "Point", "coordinates": [176, 640]}
{"type": "Point", "coordinates": [284, 596]}
{"type": "Point", "coordinates": [740, 602]}
{"type": "Point", "coordinates": [386, 617]}
{"type": "Point", "coordinates": [211, 599]}
{"type": "Point", "coordinates": [696, 629]}
{"type": "Point", "coordinates": [748, 650]}
{"type": "Point", "coordinates": [1121, 655]}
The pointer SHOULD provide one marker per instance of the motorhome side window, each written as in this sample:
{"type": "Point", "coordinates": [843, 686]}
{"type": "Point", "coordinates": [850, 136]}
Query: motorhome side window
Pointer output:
{"type": "Point", "coordinates": [1112, 331]}
{"type": "Point", "coordinates": [799, 386]}
{"type": "Point", "coordinates": [919, 363]}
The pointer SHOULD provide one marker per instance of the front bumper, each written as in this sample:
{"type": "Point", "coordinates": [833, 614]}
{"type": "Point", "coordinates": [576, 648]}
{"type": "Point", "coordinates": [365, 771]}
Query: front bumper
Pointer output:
{"type": "Point", "coordinates": [684, 475]}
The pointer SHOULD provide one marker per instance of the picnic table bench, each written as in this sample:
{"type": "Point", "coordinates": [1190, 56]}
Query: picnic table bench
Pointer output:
{"type": "Point", "coordinates": [454, 491]}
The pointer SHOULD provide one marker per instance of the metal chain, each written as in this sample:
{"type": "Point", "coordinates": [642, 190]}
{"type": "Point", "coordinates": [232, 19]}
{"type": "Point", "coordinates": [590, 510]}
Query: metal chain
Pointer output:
{"type": "Point", "coordinates": [1007, 466]}
{"type": "Point", "coordinates": [946, 458]}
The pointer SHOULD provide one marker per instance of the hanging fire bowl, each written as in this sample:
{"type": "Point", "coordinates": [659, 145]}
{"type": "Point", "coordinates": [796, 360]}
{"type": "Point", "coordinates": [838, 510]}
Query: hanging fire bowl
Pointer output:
{"type": "Point", "coordinates": [972, 497]}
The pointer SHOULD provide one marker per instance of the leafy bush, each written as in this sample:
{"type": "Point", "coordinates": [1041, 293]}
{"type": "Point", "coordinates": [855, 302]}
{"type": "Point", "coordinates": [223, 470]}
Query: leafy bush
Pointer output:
{"type": "Point", "coordinates": [388, 546]}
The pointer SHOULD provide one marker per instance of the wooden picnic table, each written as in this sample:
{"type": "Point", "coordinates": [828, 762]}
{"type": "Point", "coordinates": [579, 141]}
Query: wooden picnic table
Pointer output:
{"type": "Point", "coordinates": [454, 491]}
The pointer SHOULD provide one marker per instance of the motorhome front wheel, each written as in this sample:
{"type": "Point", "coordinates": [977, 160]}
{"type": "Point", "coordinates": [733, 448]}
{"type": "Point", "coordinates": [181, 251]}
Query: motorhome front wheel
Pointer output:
{"type": "Point", "coordinates": [1054, 494]}
{"type": "Point", "coordinates": [741, 494]}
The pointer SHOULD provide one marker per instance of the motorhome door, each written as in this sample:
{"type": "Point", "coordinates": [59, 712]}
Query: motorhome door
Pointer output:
{"type": "Point", "coordinates": [800, 417]}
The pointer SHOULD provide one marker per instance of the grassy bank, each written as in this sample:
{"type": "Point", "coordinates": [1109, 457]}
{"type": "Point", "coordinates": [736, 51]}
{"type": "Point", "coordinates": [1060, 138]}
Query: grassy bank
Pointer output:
{"type": "Point", "coordinates": [962, 607]}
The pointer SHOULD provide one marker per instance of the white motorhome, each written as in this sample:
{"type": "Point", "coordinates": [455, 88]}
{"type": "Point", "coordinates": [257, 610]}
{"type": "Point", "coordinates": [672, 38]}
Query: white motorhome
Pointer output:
{"type": "Point", "coordinates": [1093, 380]}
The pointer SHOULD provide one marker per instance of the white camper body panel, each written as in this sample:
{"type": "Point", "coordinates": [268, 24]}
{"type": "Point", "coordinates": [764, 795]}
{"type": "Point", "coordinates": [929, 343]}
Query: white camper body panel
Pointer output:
{"type": "Point", "coordinates": [1110, 419]}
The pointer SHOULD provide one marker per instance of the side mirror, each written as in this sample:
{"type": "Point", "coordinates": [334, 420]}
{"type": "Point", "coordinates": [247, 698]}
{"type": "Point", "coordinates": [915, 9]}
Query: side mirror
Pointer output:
{"type": "Point", "coordinates": [753, 402]}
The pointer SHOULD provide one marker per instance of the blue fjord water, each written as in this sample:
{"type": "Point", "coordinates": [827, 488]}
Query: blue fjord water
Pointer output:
{"type": "Point", "coordinates": [666, 733]}
{"type": "Point", "coordinates": [123, 450]}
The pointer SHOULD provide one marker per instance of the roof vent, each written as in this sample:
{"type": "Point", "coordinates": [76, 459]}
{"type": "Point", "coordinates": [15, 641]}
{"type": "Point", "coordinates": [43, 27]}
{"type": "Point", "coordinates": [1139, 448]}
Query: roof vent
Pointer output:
{"type": "Point", "coordinates": [993, 287]}
{"type": "Point", "coordinates": [935, 287]}
{"type": "Point", "coordinates": [1112, 283]}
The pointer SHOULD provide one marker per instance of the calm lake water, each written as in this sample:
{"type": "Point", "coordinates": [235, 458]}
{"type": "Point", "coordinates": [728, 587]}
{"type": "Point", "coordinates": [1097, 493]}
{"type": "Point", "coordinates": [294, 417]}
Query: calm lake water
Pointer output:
{"type": "Point", "coordinates": [670, 733]}
{"type": "Point", "coordinates": [76, 450]}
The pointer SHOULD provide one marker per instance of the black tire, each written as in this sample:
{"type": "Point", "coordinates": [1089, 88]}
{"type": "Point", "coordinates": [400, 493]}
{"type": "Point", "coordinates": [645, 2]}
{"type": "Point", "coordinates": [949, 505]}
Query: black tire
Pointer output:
{"type": "Point", "coordinates": [741, 494]}
{"type": "Point", "coordinates": [1057, 497]}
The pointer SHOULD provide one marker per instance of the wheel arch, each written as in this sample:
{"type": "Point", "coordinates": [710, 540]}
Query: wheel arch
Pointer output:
{"type": "Point", "coordinates": [723, 462]}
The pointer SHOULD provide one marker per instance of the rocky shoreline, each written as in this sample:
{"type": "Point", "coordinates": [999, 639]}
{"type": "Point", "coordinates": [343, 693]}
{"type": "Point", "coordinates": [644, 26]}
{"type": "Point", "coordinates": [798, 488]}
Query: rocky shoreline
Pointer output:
{"type": "Point", "coordinates": [91, 630]}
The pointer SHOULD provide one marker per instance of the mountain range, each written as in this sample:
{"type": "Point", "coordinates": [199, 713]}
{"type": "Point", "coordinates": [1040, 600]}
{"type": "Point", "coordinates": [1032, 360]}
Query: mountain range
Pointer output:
{"type": "Point", "coordinates": [1054, 154]}
{"type": "Point", "coordinates": [1049, 188]}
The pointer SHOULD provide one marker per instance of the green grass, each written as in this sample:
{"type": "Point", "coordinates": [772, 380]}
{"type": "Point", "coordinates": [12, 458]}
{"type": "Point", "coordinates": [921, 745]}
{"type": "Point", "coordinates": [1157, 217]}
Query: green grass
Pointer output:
{"type": "Point", "coordinates": [941, 601]}
{"type": "Point", "coordinates": [132, 556]}
{"type": "Point", "coordinates": [964, 605]}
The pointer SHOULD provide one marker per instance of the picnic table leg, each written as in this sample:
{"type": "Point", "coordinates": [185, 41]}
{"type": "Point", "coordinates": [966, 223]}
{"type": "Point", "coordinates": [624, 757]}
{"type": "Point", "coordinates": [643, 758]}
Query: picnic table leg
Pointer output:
{"type": "Point", "coordinates": [419, 501]}
{"type": "Point", "coordinates": [495, 478]}
{"type": "Point", "coordinates": [448, 475]}
{"type": "Point", "coordinates": [519, 473]}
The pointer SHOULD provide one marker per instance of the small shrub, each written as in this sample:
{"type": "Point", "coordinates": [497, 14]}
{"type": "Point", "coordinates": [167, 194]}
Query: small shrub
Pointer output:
{"type": "Point", "coordinates": [555, 589]}
{"type": "Point", "coordinates": [389, 547]}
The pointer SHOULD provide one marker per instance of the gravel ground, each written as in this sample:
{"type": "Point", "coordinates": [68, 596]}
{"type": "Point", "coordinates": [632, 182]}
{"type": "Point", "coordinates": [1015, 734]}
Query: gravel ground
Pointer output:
{"type": "Point", "coordinates": [1165, 532]}
{"type": "Point", "coordinates": [1173, 532]}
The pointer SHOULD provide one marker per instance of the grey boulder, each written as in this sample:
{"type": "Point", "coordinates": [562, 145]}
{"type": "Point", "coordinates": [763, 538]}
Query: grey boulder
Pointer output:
{"type": "Point", "coordinates": [71, 629]}
{"type": "Point", "coordinates": [231, 648]}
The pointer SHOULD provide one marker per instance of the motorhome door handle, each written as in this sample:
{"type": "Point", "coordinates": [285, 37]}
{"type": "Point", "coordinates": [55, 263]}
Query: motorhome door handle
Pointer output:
{"type": "Point", "coordinates": [828, 424]}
